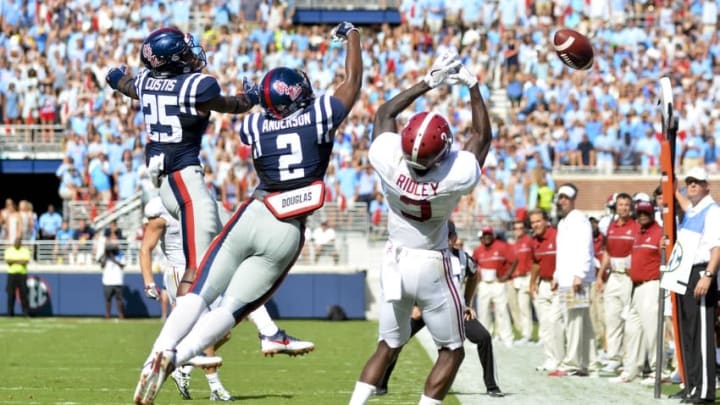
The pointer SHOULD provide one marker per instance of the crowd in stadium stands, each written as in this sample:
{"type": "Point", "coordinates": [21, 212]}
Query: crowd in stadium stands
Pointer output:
{"type": "Point", "coordinates": [55, 54]}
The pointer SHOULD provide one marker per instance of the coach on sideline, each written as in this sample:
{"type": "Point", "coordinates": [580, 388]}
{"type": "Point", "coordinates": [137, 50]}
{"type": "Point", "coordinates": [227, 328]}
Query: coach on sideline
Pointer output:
{"type": "Point", "coordinates": [696, 309]}
{"type": "Point", "coordinates": [573, 277]}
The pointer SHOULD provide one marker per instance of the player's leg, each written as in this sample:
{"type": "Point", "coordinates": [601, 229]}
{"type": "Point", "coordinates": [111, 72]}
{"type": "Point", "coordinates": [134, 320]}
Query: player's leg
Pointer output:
{"type": "Point", "coordinates": [443, 310]}
{"type": "Point", "coordinates": [416, 325]}
{"type": "Point", "coordinates": [256, 254]}
{"type": "Point", "coordinates": [108, 293]}
{"type": "Point", "coordinates": [10, 290]}
{"type": "Point", "coordinates": [217, 390]}
{"type": "Point", "coordinates": [273, 339]}
{"type": "Point", "coordinates": [185, 196]}
{"type": "Point", "coordinates": [478, 334]}
{"type": "Point", "coordinates": [23, 290]}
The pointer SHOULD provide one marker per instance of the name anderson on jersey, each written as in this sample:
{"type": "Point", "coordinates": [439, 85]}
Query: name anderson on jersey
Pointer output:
{"type": "Point", "coordinates": [290, 122]}
{"type": "Point", "coordinates": [160, 84]}
{"type": "Point", "coordinates": [410, 186]}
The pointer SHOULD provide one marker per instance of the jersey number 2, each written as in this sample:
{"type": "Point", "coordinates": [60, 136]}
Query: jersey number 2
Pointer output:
{"type": "Point", "coordinates": [161, 126]}
{"type": "Point", "coordinates": [292, 141]}
{"type": "Point", "coordinates": [422, 211]}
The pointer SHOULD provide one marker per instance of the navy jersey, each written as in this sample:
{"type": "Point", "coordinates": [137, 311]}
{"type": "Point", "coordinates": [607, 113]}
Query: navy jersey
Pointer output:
{"type": "Point", "coordinates": [173, 124]}
{"type": "Point", "coordinates": [295, 151]}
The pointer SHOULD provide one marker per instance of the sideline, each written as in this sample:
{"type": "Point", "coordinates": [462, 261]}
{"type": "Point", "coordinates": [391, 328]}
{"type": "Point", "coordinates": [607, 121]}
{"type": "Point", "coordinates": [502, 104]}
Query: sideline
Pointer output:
{"type": "Point", "coordinates": [520, 382]}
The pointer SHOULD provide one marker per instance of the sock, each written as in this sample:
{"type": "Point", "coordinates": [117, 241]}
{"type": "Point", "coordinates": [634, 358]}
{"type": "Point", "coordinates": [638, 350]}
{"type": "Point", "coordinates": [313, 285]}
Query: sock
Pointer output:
{"type": "Point", "coordinates": [264, 324]}
{"type": "Point", "coordinates": [208, 330]}
{"type": "Point", "coordinates": [213, 380]}
{"type": "Point", "coordinates": [186, 369]}
{"type": "Point", "coordinates": [425, 400]}
{"type": "Point", "coordinates": [180, 322]}
{"type": "Point", "coordinates": [362, 393]}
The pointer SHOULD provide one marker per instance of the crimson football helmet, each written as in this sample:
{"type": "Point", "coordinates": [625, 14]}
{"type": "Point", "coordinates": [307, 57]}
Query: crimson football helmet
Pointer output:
{"type": "Point", "coordinates": [426, 140]}
{"type": "Point", "coordinates": [644, 206]}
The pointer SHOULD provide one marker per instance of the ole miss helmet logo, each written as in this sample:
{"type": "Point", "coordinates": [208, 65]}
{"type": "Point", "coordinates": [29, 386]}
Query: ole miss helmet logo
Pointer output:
{"type": "Point", "coordinates": [284, 89]}
{"type": "Point", "coordinates": [150, 56]}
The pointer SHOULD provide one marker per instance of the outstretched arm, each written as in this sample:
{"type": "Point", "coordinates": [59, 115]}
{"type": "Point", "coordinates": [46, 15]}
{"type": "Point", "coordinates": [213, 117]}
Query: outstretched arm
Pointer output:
{"type": "Point", "coordinates": [479, 143]}
{"type": "Point", "coordinates": [126, 86]}
{"type": "Point", "coordinates": [349, 90]}
{"type": "Point", "coordinates": [388, 111]}
{"type": "Point", "coordinates": [228, 104]}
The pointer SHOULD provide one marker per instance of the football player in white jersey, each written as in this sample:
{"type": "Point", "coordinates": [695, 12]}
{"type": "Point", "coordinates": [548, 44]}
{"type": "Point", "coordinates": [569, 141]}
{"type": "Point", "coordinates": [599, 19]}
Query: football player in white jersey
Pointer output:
{"type": "Point", "coordinates": [162, 227]}
{"type": "Point", "coordinates": [423, 181]}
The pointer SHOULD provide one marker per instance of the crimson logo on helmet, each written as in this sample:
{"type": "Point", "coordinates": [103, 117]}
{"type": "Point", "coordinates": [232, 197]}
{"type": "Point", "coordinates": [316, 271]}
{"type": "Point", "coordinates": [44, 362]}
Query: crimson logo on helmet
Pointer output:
{"type": "Point", "coordinates": [150, 56]}
{"type": "Point", "coordinates": [284, 89]}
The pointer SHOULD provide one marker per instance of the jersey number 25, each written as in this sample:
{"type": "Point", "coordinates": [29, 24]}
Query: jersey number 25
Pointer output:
{"type": "Point", "coordinates": [161, 126]}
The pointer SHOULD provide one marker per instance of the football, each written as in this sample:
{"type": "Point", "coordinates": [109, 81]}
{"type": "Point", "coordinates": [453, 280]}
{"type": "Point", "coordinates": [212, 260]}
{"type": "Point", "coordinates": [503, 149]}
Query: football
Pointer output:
{"type": "Point", "coordinates": [573, 48]}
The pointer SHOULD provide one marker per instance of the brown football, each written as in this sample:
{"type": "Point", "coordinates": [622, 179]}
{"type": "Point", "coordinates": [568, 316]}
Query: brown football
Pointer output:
{"type": "Point", "coordinates": [573, 48]}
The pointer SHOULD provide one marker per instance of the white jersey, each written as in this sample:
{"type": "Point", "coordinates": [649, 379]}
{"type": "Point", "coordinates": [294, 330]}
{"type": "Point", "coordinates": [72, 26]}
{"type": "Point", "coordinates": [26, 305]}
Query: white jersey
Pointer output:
{"type": "Point", "coordinates": [420, 207]}
{"type": "Point", "coordinates": [171, 242]}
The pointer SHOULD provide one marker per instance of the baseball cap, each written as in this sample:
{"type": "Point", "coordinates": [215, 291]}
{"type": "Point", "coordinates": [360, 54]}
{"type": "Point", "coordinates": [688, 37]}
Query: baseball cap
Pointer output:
{"type": "Point", "coordinates": [697, 173]}
{"type": "Point", "coordinates": [644, 206]}
{"type": "Point", "coordinates": [568, 190]}
{"type": "Point", "coordinates": [486, 230]}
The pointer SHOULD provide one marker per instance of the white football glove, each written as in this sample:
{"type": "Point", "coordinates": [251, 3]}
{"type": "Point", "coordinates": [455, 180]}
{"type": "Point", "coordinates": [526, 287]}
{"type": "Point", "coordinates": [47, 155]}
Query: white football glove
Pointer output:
{"type": "Point", "coordinates": [155, 166]}
{"type": "Point", "coordinates": [446, 64]}
{"type": "Point", "coordinates": [462, 76]}
{"type": "Point", "coordinates": [152, 291]}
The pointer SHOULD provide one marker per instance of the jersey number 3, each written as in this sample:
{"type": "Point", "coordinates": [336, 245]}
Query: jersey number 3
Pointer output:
{"type": "Point", "coordinates": [421, 209]}
{"type": "Point", "coordinates": [162, 127]}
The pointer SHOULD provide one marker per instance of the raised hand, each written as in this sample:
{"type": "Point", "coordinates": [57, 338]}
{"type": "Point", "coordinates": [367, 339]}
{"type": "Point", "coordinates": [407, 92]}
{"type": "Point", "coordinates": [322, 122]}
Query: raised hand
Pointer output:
{"type": "Point", "coordinates": [114, 75]}
{"type": "Point", "coordinates": [462, 76]}
{"type": "Point", "coordinates": [342, 30]}
{"type": "Point", "coordinates": [252, 91]}
{"type": "Point", "coordinates": [446, 64]}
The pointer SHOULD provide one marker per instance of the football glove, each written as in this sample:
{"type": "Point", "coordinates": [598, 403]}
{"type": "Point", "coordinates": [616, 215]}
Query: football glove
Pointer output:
{"type": "Point", "coordinates": [155, 166]}
{"type": "Point", "coordinates": [114, 75]}
{"type": "Point", "coordinates": [252, 91]}
{"type": "Point", "coordinates": [462, 76]}
{"type": "Point", "coordinates": [342, 30]}
{"type": "Point", "coordinates": [152, 291]}
{"type": "Point", "coordinates": [445, 65]}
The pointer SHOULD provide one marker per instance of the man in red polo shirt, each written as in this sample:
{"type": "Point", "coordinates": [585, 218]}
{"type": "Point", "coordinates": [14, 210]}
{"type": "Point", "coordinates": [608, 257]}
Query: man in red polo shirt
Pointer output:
{"type": "Point", "coordinates": [495, 264]}
{"type": "Point", "coordinates": [616, 291]}
{"type": "Point", "coordinates": [641, 324]}
{"type": "Point", "coordinates": [547, 303]}
{"type": "Point", "coordinates": [519, 288]}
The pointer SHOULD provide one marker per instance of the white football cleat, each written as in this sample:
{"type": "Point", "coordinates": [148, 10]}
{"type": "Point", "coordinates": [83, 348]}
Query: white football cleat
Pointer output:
{"type": "Point", "coordinates": [221, 394]}
{"type": "Point", "coordinates": [153, 375]}
{"type": "Point", "coordinates": [282, 343]}
{"type": "Point", "coordinates": [182, 381]}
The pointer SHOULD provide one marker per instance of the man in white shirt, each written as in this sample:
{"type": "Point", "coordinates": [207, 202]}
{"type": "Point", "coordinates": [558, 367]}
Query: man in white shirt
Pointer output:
{"type": "Point", "coordinates": [574, 274]}
{"type": "Point", "coordinates": [699, 235]}
{"type": "Point", "coordinates": [324, 238]}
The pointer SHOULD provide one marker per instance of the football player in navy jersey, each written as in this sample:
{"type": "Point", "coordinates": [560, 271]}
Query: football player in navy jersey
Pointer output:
{"type": "Point", "coordinates": [176, 100]}
{"type": "Point", "coordinates": [291, 143]}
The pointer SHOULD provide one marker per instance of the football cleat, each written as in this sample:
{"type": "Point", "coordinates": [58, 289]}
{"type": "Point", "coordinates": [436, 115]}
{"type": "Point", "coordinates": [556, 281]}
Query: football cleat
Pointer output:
{"type": "Point", "coordinates": [282, 343]}
{"type": "Point", "coordinates": [221, 394]}
{"type": "Point", "coordinates": [204, 361]}
{"type": "Point", "coordinates": [153, 375]}
{"type": "Point", "coordinates": [182, 381]}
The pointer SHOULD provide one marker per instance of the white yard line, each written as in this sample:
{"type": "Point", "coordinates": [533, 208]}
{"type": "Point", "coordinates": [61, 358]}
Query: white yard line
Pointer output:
{"type": "Point", "coordinates": [523, 385]}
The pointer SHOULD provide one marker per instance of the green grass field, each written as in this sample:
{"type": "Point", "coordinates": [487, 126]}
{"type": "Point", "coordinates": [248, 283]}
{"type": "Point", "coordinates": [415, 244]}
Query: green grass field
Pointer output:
{"type": "Point", "coordinates": [92, 361]}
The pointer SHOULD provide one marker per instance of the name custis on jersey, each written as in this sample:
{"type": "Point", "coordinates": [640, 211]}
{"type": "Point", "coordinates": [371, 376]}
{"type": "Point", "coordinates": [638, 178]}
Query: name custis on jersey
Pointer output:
{"type": "Point", "coordinates": [421, 205]}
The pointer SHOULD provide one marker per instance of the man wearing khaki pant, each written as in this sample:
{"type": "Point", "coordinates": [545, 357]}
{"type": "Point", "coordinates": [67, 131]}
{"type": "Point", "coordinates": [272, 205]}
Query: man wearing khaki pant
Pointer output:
{"type": "Point", "coordinates": [617, 290]}
{"type": "Point", "coordinates": [519, 285]}
{"type": "Point", "coordinates": [574, 273]}
{"type": "Point", "coordinates": [547, 303]}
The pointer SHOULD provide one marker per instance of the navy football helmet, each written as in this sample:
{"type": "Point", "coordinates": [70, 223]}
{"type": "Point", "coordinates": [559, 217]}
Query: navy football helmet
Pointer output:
{"type": "Point", "coordinates": [284, 91]}
{"type": "Point", "coordinates": [168, 51]}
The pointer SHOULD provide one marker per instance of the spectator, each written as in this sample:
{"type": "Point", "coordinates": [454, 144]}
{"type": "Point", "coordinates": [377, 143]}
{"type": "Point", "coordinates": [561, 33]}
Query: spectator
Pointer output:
{"type": "Point", "coordinates": [367, 185]}
{"type": "Point", "coordinates": [112, 263]}
{"type": "Point", "coordinates": [324, 239]}
{"type": "Point", "coordinates": [17, 258]}
{"type": "Point", "coordinates": [28, 219]}
{"type": "Point", "coordinates": [82, 242]}
{"type": "Point", "coordinates": [127, 181]}
{"type": "Point", "coordinates": [114, 232]}
{"type": "Point", "coordinates": [50, 223]}
{"type": "Point", "coordinates": [63, 242]}
{"type": "Point", "coordinates": [70, 181]}
{"type": "Point", "coordinates": [12, 221]}
{"type": "Point", "coordinates": [231, 190]}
